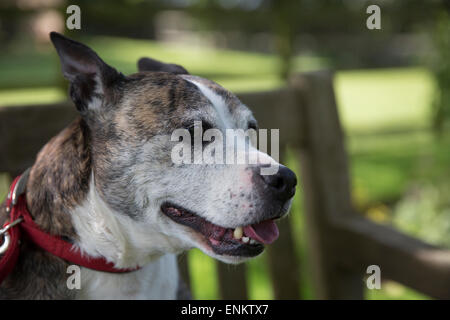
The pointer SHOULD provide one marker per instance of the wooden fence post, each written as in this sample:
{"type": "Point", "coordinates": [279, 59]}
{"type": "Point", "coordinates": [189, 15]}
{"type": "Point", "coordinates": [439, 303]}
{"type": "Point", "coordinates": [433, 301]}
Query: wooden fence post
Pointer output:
{"type": "Point", "coordinates": [232, 281]}
{"type": "Point", "coordinates": [283, 261]}
{"type": "Point", "coordinates": [184, 290]}
{"type": "Point", "coordinates": [283, 264]}
{"type": "Point", "coordinates": [325, 177]}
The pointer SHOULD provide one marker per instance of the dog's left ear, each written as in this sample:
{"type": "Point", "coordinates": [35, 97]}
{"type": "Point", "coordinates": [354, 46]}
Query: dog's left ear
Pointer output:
{"type": "Point", "coordinates": [149, 64]}
{"type": "Point", "coordinates": [91, 79]}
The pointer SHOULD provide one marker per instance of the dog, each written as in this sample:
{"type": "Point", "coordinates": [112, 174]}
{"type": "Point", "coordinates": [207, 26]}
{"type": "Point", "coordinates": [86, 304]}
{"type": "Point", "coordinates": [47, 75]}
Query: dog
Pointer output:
{"type": "Point", "coordinates": [107, 184]}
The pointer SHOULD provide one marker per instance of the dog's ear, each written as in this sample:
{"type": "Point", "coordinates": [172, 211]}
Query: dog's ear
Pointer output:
{"type": "Point", "coordinates": [90, 78]}
{"type": "Point", "coordinates": [148, 64]}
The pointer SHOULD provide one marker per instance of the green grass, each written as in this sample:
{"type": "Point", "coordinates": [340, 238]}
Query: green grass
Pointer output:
{"type": "Point", "coordinates": [28, 68]}
{"type": "Point", "coordinates": [31, 96]}
{"type": "Point", "coordinates": [387, 99]}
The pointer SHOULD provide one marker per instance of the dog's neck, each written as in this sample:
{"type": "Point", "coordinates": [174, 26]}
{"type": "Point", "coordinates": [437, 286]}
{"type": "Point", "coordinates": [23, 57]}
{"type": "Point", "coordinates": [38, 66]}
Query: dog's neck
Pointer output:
{"type": "Point", "coordinates": [63, 201]}
{"type": "Point", "coordinates": [103, 232]}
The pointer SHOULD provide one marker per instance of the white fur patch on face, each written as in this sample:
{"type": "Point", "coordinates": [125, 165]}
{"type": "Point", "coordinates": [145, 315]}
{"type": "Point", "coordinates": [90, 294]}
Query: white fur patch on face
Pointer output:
{"type": "Point", "coordinates": [217, 102]}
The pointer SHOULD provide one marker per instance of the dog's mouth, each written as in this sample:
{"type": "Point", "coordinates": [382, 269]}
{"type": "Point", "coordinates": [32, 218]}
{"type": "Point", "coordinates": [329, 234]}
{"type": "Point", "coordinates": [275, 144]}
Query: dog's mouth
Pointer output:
{"type": "Point", "coordinates": [245, 241]}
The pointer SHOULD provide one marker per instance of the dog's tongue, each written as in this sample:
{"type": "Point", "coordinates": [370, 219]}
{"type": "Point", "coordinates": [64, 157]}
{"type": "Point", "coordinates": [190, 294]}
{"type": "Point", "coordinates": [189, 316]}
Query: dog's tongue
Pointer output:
{"type": "Point", "coordinates": [265, 232]}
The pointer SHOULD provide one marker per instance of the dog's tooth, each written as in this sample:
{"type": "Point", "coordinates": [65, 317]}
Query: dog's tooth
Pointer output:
{"type": "Point", "coordinates": [245, 239]}
{"type": "Point", "coordinates": [238, 233]}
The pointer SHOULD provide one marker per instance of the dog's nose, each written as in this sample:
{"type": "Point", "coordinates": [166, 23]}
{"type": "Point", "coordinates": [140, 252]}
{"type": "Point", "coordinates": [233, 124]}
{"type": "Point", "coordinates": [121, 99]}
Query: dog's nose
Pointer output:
{"type": "Point", "coordinates": [282, 183]}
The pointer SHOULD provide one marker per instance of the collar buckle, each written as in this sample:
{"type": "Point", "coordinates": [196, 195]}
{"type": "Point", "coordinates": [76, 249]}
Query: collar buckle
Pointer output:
{"type": "Point", "coordinates": [18, 190]}
{"type": "Point", "coordinates": [6, 237]}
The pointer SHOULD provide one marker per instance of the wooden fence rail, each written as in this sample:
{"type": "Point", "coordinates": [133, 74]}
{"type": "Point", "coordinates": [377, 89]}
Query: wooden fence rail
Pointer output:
{"type": "Point", "coordinates": [341, 243]}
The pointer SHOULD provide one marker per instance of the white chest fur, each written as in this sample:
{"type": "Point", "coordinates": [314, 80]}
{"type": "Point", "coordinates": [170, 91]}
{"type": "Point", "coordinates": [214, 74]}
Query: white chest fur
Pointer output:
{"type": "Point", "coordinates": [156, 280]}
{"type": "Point", "coordinates": [126, 243]}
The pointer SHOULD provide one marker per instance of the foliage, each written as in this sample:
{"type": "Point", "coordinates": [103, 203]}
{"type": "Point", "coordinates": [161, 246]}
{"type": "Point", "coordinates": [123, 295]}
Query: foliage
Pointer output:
{"type": "Point", "coordinates": [424, 212]}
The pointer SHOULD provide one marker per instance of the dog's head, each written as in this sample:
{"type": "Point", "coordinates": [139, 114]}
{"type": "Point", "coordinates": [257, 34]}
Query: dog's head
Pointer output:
{"type": "Point", "coordinates": [226, 210]}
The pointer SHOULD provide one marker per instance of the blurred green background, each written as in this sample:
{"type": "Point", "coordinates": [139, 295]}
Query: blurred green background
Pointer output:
{"type": "Point", "coordinates": [392, 87]}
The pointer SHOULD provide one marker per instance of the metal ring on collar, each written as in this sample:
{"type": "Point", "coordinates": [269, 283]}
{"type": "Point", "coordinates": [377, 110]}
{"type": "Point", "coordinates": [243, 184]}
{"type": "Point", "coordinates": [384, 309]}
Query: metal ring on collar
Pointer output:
{"type": "Point", "coordinates": [6, 236]}
{"type": "Point", "coordinates": [5, 244]}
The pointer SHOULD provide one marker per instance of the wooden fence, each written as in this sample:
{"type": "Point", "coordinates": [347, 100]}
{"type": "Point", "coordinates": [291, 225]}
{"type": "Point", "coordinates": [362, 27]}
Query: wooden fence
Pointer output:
{"type": "Point", "coordinates": [341, 243]}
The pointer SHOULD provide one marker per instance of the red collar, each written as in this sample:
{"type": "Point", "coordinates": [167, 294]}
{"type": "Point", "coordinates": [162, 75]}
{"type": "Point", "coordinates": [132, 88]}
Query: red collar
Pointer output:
{"type": "Point", "coordinates": [21, 225]}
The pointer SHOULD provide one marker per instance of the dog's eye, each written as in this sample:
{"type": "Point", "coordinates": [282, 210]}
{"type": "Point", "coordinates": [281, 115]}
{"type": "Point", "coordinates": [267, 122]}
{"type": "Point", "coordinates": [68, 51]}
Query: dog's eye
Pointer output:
{"type": "Point", "coordinates": [205, 126]}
